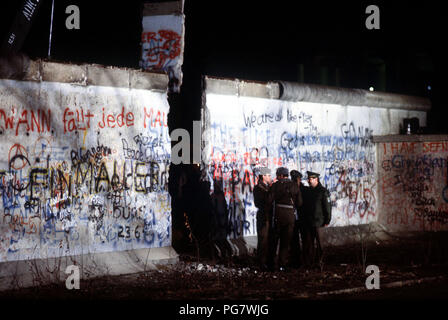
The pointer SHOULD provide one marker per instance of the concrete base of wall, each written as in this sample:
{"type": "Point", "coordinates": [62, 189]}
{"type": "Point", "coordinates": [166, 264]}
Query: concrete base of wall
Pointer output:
{"type": "Point", "coordinates": [27, 273]}
{"type": "Point", "coordinates": [334, 236]}
{"type": "Point", "coordinates": [243, 246]}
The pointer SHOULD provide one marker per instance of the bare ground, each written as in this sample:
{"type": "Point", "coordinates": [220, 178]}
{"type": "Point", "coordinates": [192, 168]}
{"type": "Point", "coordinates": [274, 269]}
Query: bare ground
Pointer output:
{"type": "Point", "coordinates": [410, 268]}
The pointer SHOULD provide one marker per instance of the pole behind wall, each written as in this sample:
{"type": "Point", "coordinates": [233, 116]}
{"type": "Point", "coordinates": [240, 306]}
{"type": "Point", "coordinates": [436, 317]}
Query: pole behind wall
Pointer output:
{"type": "Point", "coordinates": [51, 30]}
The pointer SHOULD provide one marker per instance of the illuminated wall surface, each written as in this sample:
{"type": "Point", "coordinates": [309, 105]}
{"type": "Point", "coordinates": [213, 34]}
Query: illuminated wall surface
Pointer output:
{"type": "Point", "coordinates": [83, 169]}
{"type": "Point", "coordinates": [413, 184]}
{"type": "Point", "coordinates": [162, 40]}
{"type": "Point", "coordinates": [241, 133]}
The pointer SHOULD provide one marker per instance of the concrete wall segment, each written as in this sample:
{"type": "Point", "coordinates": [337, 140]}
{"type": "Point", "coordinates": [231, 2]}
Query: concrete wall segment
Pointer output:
{"type": "Point", "coordinates": [50, 131]}
{"type": "Point", "coordinates": [63, 73]}
{"type": "Point", "coordinates": [83, 74]}
{"type": "Point", "coordinates": [413, 182]}
{"type": "Point", "coordinates": [269, 90]}
{"type": "Point", "coordinates": [54, 123]}
{"type": "Point", "coordinates": [291, 91]}
{"type": "Point", "coordinates": [243, 129]}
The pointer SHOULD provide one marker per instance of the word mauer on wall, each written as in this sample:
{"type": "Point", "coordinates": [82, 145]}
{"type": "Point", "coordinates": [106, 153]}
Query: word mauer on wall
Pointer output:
{"type": "Point", "coordinates": [83, 170]}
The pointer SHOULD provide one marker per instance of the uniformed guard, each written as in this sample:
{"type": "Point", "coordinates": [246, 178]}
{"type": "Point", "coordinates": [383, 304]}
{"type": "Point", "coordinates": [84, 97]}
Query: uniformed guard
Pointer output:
{"type": "Point", "coordinates": [284, 196]}
{"type": "Point", "coordinates": [296, 252]}
{"type": "Point", "coordinates": [261, 191]}
{"type": "Point", "coordinates": [316, 214]}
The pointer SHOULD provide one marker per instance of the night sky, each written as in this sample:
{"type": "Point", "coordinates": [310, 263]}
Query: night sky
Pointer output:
{"type": "Point", "coordinates": [322, 42]}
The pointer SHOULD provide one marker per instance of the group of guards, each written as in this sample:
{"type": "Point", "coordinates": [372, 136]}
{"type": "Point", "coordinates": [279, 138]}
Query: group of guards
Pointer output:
{"type": "Point", "coordinates": [289, 219]}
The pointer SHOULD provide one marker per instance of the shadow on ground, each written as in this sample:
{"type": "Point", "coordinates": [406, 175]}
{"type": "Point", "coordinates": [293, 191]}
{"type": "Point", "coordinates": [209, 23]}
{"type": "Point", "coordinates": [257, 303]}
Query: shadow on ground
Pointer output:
{"type": "Point", "coordinates": [400, 261]}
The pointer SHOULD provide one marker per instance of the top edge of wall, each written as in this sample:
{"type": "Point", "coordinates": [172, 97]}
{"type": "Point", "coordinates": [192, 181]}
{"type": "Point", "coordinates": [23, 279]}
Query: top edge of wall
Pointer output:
{"type": "Point", "coordinates": [249, 88]}
{"type": "Point", "coordinates": [21, 68]}
{"type": "Point", "coordinates": [291, 91]}
{"type": "Point", "coordinates": [410, 138]}
{"type": "Point", "coordinates": [163, 8]}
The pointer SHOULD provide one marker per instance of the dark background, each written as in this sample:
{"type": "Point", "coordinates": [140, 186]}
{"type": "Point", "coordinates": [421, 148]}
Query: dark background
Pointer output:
{"type": "Point", "coordinates": [320, 42]}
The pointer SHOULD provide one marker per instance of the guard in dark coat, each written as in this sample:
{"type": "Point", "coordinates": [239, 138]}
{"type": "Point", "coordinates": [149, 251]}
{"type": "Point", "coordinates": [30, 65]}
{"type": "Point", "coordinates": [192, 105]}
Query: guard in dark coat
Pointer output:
{"type": "Point", "coordinates": [296, 252]}
{"type": "Point", "coordinates": [284, 196]}
{"type": "Point", "coordinates": [220, 219]}
{"type": "Point", "coordinates": [316, 213]}
{"type": "Point", "coordinates": [261, 192]}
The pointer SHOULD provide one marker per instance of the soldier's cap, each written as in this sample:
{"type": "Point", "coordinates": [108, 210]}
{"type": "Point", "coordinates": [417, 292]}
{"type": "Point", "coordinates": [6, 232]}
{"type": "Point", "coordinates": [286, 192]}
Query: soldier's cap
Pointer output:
{"type": "Point", "coordinates": [282, 171]}
{"type": "Point", "coordinates": [295, 174]}
{"type": "Point", "coordinates": [311, 174]}
{"type": "Point", "coordinates": [264, 171]}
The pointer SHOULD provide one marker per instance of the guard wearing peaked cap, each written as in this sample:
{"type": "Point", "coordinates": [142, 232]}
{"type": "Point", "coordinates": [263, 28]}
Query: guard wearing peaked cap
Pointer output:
{"type": "Point", "coordinates": [284, 198]}
{"type": "Point", "coordinates": [316, 213]}
{"type": "Point", "coordinates": [311, 174]}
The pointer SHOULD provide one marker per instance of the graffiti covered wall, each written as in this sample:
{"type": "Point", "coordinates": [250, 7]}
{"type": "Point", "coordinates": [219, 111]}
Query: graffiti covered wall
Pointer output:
{"type": "Point", "coordinates": [413, 184]}
{"type": "Point", "coordinates": [83, 169]}
{"type": "Point", "coordinates": [242, 133]}
{"type": "Point", "coordinates": [163, 38]}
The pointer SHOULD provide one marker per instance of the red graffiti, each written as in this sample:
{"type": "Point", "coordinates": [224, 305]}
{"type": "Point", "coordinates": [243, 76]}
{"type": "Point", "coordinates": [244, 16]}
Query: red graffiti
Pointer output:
{"type": "Point", "coordinates": [154, 117]}
{"type": "Point", "coordinates": [400, 147]}
{"type": "Point", "coordinates": [439, 146]}
{"type": "Point", "coordinates": [164, 46]}
{"type": "Point", "coordinates": [18, 157]}
{"type": "Point", "coordinates": [22, 224]}
{"type": "Point", "coordinates": [122, 119]}
{"type": "Point", "coordinates": [413, 147]}
{"type": "Point", "coordinates": [76, 120]}
{"type": "Point", "coordinates": [32, 120]}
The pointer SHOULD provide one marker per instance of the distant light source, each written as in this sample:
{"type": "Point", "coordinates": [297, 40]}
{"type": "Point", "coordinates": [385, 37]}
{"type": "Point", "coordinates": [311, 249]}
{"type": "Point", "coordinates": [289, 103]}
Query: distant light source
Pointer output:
{"type": "Point", "coordinates": [371, 89]}
{"type": "Point", "coordinates": [429, 88]}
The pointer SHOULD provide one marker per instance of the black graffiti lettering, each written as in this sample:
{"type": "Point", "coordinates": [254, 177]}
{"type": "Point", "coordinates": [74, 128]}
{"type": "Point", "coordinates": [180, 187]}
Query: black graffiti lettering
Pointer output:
{"type": "Point", "coordinates": [140, 178]}
{"type": "Point", "coordinates": [86, 177]}
{"type": "Point", "coordinates": [440, 216]}
{"type": "Point", "coordinates": [58, 183]}
{"type": "Point", "coordinates": [145, 152]}
{"type": "Point", "coordinates": [95, 155]}
{"type": "Point", "coordinates": [82, 177]}
{"type": "Point", "coordinates": [22, 160]}
{"type": "Point", "coordinates": [115, 181]}
{"type": "Point", "coordinates": [247, 181]}
{"type": "Point", "coordinates": [116, 212]}
{"type": "Point", "coordinates": [126, 216]}
{"type": "Point", "coordinates": [101, 179]}
{"type": "Point", "coordinates": [154, 177]}
{"type": "Point", "coordinates": [38, 180]}
{"type": "Point", "coordinates": [115, 196]}
{"type": "Point", "coordinates": [136, 233]}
